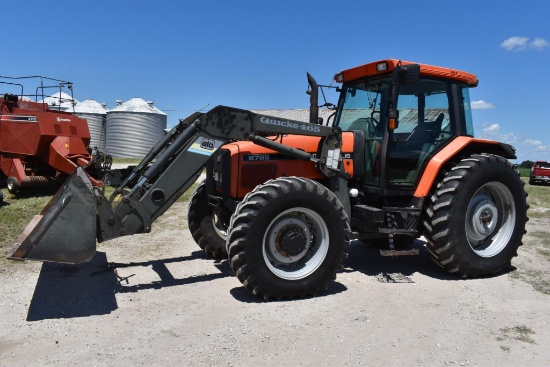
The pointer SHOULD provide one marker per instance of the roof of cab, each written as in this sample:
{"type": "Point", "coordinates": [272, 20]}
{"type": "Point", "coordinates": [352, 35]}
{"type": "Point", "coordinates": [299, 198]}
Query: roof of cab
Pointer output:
{"type": "Point", "coordinates": [371, 70]}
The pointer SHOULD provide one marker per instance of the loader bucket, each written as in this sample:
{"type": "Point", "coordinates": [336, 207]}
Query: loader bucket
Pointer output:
{"type": "Point", "coordinates": [65, 230]}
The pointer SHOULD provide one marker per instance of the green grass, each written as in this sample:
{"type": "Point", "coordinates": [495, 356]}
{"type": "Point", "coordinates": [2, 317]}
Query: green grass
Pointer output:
{"type": "Point", "coordinates": [128, 161]}
{"type": "Point", "coordinates": [524, 172]}
{"type": "Point", "coordinates": [538, 199]}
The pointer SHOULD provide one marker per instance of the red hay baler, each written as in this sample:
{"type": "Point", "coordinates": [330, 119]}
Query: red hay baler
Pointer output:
{"type": "Point", "coordinates": [40, 145]}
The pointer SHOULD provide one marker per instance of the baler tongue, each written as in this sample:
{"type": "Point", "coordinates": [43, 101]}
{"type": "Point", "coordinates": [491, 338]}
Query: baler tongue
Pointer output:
{"type": "Point", "coordinates": [65, 230]}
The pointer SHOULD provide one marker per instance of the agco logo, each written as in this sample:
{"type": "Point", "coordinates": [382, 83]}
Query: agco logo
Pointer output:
{"type": "Point", "coordinates": [208, 144]}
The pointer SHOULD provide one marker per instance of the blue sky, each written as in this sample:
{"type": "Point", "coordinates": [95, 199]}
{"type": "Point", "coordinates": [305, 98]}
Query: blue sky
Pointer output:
{"type": "Point", "coordinates": [255, 54]}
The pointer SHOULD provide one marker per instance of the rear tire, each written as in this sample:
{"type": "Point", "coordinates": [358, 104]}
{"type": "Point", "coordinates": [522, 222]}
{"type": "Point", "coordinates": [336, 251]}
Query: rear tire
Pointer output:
{"type": "Point", "coordinates": [208, 224]}
{"type": "Point", "coordinates": [476, 216]}
{"type": "Point", "coordinates": [288, 238]}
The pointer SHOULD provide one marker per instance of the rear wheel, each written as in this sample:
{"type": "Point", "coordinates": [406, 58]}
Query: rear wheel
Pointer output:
{"type": "Point", "coordinates": [208, 224]}
{"type": "Point", "coordinates": [288, 238]}
{"type": "Point", "coordinates": [476, 216]}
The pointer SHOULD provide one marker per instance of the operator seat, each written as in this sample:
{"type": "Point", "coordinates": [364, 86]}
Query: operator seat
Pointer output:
{"type": "Point", "coordinates": [425, 132]}
{"type": "Point", "coordinates": [432, 132]}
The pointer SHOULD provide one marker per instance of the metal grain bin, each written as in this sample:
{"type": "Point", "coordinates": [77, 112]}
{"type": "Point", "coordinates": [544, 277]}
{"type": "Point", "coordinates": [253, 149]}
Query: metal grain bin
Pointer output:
{"type": "Point", "coordinates": [133, 128]}
{"type": "Point", "coordinates": [96, 115]}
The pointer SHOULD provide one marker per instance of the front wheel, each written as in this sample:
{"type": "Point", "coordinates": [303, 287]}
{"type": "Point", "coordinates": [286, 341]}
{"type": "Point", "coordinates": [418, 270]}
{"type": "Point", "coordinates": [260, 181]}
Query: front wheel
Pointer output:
{"type": "Point", "coordinates": [208, 224]}
{"type": "Point", "coordinates": [476, 216]}
{"type": "Point", "coordinates": [288, 238]}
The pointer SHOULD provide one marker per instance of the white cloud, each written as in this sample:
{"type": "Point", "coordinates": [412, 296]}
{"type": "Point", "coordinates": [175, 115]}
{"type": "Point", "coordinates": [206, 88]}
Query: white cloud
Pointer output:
{"type": "Point", "coordinates": [515, 43]}
{"type": "Point", "coordinates": [492, 132]}
{"type": "Point", "coordinates": [542, 148]}
{"type": "Point", "coordinates": [509, 138]}
{"type": "Point", "coordinates": [524, 43]}
{"type": "Point", "coordinates": [492, 129]}
{"type": "Point", "coordinates": [539, 43]}
{"type": "Point", "coordinates": [481, 105]}
{"type": "Point", "coordinates": [532, 142]}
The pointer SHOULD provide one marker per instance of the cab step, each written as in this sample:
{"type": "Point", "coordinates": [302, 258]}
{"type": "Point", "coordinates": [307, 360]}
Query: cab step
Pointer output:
{"type": "Point", "coordinates": [392, 253]}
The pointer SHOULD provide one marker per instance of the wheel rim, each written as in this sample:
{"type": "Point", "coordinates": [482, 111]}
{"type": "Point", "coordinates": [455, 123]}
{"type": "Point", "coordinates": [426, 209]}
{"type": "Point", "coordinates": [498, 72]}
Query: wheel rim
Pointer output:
{"type": "Point", "coordinates": [295, 243]}
{"type": "Point", "coordinates": [490, 219]}
{"type": "Point", "coordinates": [219, 225]}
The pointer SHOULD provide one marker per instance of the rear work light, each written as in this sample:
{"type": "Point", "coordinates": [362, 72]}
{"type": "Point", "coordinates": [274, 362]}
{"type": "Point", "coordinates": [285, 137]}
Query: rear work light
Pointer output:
{"type": "Point", "coordinates": [383, 66]}
{"type": "Point", "coordinates": [339, 77]}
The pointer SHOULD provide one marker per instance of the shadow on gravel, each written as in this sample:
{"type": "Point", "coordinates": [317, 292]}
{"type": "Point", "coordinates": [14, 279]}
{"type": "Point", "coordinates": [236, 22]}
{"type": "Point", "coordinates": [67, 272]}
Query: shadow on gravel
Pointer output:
{"type": "Point", "coordinates": [244, 295]}
{"type": "Point", "coordinates": [68, 291]}
{"type": "Point", "coordinates": [366, 258]}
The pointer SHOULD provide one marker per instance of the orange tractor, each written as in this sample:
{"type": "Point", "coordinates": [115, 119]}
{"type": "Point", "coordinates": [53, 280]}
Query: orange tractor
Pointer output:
{"type": "Point", "coordinates": [282, 199]}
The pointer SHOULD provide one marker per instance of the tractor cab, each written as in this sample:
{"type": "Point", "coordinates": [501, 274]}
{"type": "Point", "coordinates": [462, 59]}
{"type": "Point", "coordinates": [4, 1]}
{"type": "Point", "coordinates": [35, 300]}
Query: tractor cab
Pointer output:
{"type": "Point", "coordinates": [408, 113]}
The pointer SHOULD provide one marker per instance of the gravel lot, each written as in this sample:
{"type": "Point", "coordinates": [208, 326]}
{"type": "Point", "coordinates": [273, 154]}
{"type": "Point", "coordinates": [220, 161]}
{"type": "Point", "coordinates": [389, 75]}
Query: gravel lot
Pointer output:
{"type": "Point", "coordinates": [156, 299]}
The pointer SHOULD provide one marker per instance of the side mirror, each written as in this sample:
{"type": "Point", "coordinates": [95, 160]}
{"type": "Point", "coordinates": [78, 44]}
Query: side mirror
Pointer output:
{"type": "Point", "coordinates": [393, 119]}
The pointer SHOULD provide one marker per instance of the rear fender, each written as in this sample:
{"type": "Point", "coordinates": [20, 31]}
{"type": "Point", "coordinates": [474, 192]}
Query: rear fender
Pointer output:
{"type": "Point", "coordinates": [459, 146]}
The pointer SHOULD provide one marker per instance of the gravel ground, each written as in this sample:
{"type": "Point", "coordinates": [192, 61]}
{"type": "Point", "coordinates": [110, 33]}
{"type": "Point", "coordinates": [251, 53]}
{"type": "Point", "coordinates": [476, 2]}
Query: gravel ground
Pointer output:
{"type": "Point", "coordinates": [156, 299]}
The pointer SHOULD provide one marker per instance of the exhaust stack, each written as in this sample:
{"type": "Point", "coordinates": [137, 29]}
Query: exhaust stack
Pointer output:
{"type": "Point", "coordinates": [313, 100]}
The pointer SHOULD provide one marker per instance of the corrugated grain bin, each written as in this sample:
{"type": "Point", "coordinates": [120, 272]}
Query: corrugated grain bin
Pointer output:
{"type": "Point", "coordinates": [133, 128]}
{"type": "Point", "coordinates": [96, 115]}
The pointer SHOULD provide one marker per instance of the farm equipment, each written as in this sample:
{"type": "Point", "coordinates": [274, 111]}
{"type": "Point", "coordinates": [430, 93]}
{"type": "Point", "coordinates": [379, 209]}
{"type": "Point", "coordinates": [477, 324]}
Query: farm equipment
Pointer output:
{"type": "Point", "coordinates": [282, 199]}
{"type": "Point", "coordinates": [39, 145]}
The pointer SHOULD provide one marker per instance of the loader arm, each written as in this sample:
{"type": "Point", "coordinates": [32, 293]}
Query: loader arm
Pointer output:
{"type": "Point", "coordinates": [78, 215]}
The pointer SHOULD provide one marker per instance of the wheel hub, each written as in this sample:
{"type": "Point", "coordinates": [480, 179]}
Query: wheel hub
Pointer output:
{"type": "Point", "coordinates": [291, 241]}
{"type": "Point", "coordinates": [483, 218]}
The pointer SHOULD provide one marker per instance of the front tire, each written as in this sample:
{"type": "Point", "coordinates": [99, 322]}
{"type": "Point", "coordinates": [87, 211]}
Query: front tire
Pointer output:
{"type": "Point", "coordinates": [476, 216]}
{"type": "Point", "coordinates": [288, 238]}
{"type": "Point", "coordinates": [208, 224]}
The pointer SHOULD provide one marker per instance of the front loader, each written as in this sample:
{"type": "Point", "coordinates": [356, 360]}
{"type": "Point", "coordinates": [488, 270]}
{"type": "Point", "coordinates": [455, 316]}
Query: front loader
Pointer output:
{"type": "Point", "coordinates": [283, 198]}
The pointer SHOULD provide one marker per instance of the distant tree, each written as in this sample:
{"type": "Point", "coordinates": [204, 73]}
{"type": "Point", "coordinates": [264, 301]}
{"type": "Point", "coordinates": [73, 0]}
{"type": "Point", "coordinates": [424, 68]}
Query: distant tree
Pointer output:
{"type": "Point", "coordinates": [527, 164]}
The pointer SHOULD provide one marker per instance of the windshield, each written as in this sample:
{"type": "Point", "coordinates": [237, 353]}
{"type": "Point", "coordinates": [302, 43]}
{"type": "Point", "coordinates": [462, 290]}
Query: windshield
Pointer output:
{"type": "Point", "coordinates": [360, 106]}
{"type": "Point", "coordinates": [425, 125]}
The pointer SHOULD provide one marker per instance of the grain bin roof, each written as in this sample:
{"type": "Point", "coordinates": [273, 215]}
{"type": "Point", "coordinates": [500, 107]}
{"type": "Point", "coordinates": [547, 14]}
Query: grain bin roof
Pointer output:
{"type": "Point", "coordinates": [90, 106]}
{"type": "Point", "coordinates": [60, 99]}
{"type": "Point", "coordinates": [137, 105]}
